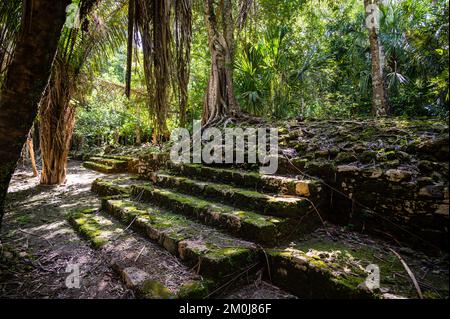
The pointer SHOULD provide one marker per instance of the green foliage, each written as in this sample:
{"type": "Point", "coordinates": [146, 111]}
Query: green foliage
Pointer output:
{"type": "Point", "coordinates": [313, 59]}
{"type": "Point", "coordinates": [104, 115]}
{"type": "Point", "coordinates": [294, 57]}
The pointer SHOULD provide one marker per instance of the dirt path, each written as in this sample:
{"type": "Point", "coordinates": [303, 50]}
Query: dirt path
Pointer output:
{"type": "Point", "coordinates": [38, 244]}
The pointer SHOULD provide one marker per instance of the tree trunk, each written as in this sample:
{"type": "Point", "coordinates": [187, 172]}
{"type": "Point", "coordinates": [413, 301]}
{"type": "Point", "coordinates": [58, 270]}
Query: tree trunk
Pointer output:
{"type": "Point", "coordinates": [183, 40]}
{"type": "Point", "coordinates": [32, 158]}
{"type": "Point", "coordinates": [57, 119]}
{"type": "Point", "coordinates": [131, 8]}
{"type": "Point", "coordinates": [138, 124]}
{"type": "Point", "coordinates": [220, 102]}
{"type": "Point", "coordinates": [378, 98]}
{"type": "Point", "coordinates": [25, 81]}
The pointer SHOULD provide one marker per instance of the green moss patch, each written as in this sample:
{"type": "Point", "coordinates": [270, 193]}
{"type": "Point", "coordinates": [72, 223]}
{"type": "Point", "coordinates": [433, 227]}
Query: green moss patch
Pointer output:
{"type": "Point", "coordinates": [94, 227]}
{"type": "Point", "coordinates": [99, 167]}
{"type": "Point", "coordinates": [152, 289]}
{"type": "Point", "coordinates": [108, 161]}
{"type": "Point", "coordinates": [109, 188]}
{"type": "Point", "coordinates": [195, 289]}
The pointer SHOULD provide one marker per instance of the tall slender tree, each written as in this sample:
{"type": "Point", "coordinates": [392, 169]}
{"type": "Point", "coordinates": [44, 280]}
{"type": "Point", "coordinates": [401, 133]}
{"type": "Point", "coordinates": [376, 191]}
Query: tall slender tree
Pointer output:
{"type": "Point", "coordinates": [379, 107]}
{"type": "Point", "coordinates": [131, 22]}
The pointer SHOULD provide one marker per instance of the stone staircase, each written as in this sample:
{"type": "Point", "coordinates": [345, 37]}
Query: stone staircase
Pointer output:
{"type": "Point", "coordinates": [222, 222]}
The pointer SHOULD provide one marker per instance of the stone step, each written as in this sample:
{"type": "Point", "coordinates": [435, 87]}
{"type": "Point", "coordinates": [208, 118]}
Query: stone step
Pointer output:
{"type": "Point", "coordinates": [100, 167]}
{"type": "Point", "coordinates": [97, 229]}
{"type": "Point", "coordinates": [278, 205]}
{"type": "Point", "coordinates": [119, 164]}
{"type": "Point", "coordinates": [212, 253]}
{"type": "Point", "coordinates": [310, 275]}
{"type": "Point", "coordinates": [252, 180]}
{"type": "Point", "coordinates": [115, 186]}
{"type": "Point", "coordinates": [264, 229]}
{"type": "Point", "coordinates": [338, 266]}
{"type": "Point", "coordinates": [118, 157]}
{"type": "Point", "coordinates": [144, 267]}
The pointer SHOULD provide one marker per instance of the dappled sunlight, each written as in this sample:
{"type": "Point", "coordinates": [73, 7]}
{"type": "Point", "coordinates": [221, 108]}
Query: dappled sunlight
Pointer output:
{"type": "Point", "coordinates": [243, 149]}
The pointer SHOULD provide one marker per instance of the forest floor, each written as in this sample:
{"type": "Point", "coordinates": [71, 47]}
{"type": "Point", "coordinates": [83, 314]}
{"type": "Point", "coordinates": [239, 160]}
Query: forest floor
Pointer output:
{"type": "Point", "coordinates": [38, 244]}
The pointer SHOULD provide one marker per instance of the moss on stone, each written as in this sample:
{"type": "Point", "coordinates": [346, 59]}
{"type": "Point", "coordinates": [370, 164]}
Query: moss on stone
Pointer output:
{"type": "Point", "coordinates": [217, 255]}
{"type": "Point", "coordinates": [94, 228]}
{"type": "Point", "coordinates": [152, 289]}
{"type": "Point", "coordinates": [195, 289]}
{"type": "Point", "coordinates": [98, 167]}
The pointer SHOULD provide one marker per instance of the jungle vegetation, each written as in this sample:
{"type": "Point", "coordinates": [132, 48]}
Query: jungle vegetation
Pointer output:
{"type": "Point", "coordinates": [106, 72]}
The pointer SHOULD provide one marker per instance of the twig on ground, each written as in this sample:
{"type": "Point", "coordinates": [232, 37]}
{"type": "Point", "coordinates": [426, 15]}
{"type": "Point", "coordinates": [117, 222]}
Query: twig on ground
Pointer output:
{"type": "Point", "coordinates": [410, 273]}
{"type": "Point", "coordinates": [267, 261]}
{"type": "Point", "coordinates": [140, 253]}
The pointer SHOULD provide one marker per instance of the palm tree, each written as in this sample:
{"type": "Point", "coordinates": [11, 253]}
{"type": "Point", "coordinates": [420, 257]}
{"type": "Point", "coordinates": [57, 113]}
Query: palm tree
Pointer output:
{"type": "Point", "coordinates": [9, 32]}
{"type": "Point", "coordinates": [77, 47]}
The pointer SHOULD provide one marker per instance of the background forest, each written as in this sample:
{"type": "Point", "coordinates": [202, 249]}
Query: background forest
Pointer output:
{"type": "Point", "coordinates": [127, 72]}
{"type": "Point", "coordinates": [293, 58]}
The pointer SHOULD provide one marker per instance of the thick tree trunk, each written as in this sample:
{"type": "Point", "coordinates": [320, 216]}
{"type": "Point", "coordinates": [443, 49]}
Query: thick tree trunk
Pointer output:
{"type": "Point", "coordinates": [220, 101]}
{"type": "Point", "coordinates": [379, 98]}
{"type": "Point", "coordinates": [25, 81]}
{"type": "Point", "coordinates": [57, 119]}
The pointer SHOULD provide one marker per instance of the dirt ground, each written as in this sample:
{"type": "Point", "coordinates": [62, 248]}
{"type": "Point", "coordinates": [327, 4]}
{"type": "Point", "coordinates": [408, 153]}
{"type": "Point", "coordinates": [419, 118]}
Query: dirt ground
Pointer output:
{"type": "Point", "coordinates": [38, 244]}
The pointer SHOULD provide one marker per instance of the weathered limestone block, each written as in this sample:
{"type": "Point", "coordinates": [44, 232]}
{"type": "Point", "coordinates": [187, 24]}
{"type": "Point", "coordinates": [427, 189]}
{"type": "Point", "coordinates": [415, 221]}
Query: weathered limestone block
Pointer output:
{"type": "Point", "coordinates": [398, 175]}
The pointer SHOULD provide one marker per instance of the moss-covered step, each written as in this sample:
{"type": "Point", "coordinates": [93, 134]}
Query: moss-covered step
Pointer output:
{"type": "Point", "coordinates": [100, 167]}
{"type": "Point", "coordinates": [148, 271]}
{"type": "Point", "coordinates": [118, 164]}
{"type": "Point", "coordinates": [115, 186]}
{"type": "Point", "coordinates": [146, 287]}
{"type": "Point", "coordinates": [264, 229]}
{"type": "Point", "coordinates": [318, 274]}
{"type": "Point", "coordinates": [123, 163]}
{"type": "Point", "coordinates": [278, 205]}
{"type": "Point", "coordinates": [210, 252]}
{"type": "Point", "coordinates": [253, 180]}
{"type": "Point", "coordinates": [97, 229]}
{"type": "Point", "coordinates": [321, 266]}
{"type": "Point", "coordinates": [118, 157]}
